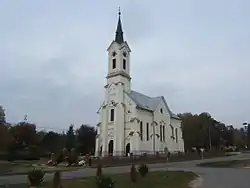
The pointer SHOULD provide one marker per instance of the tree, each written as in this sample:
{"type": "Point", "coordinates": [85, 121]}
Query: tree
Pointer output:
{"type": "Point", "coordinates": [248, 135]}
{"type": "Point", "coordinates": [25, 134]}
{"type": "Point", "coordinates": [86, 139]}
{"type": "Point", "coordinates": [70, 137]}
{"type": "Point", "coordinates": [52, 142]}
{"type": "Point", "coordinates": [204, 131]}
{"type": "Point", "coordinates": [5, 137]}
{"type": "Point", "coordinates": [2, 116]}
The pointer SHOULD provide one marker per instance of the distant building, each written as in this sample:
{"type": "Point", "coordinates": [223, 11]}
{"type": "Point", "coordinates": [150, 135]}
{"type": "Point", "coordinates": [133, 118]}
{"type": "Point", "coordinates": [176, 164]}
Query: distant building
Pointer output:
{"type": "Point", "coordinates": [131, 122]}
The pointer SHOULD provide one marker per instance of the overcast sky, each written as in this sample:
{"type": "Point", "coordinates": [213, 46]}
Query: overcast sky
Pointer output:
{"type": "Point", "coordinates": [53, 58]}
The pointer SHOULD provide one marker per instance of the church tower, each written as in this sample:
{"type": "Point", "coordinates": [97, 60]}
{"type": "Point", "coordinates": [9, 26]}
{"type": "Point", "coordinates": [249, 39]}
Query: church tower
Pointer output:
{"type": "Point", "coordinates": [119, 59]}
{"type": "Point", "coordinates": [118, 83]}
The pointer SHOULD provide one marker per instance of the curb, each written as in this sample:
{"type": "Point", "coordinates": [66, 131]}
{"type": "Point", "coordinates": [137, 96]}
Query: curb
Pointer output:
{"type": "Point", "coordinates": [196, 183]}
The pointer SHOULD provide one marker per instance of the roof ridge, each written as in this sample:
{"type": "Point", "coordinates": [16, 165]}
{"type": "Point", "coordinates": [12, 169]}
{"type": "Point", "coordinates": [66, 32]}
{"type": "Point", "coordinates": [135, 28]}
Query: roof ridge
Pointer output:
{"type": "Point", "coordinates": [143, 94]}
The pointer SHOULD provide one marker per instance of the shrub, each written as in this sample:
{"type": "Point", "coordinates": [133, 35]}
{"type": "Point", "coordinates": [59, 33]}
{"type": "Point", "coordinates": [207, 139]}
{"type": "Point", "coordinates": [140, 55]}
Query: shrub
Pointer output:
{"type": "Point", "coordinates": [59, 158]}
{"type": "Point", "coordinates": [105, 182]}
{"type": "Point", "coordinates": [57, 180]}
{"type": "Point", "coordinates": [36, 177]}
{"type": "Point", "coordinates": [143, 169]}
{"type": "Point", "coordinates": [90, 161]}
{"type": "Point", "coordinates": [99, 170]}
{"type": "Point", "coordinates": [133, 174]}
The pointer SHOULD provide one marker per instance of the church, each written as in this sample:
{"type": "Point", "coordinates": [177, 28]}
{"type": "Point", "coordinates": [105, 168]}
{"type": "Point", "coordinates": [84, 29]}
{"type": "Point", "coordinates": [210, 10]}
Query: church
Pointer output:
{"type": "Point", "coordinates": [132, 123]}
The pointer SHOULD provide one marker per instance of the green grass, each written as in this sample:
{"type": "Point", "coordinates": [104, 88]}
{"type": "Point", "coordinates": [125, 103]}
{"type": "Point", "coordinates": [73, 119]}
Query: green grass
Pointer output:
{"type": "Point", "coordinates": [227, 164]}
{"type": "Point", "coordinates": [169, 179]}
{"type": "Point", "coordinates": [7, 169]}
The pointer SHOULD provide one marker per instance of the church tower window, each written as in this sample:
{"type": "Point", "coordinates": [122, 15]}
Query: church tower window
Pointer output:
{"type": "Point", "coordinates": [114, 63]}
{"type": "Point", "coordinates": [124, 64]}
{"type": "Point", "coordinates": [112, 115]}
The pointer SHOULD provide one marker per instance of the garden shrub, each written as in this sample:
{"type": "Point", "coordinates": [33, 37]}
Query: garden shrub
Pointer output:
{"type": "Point", "coordinates": [99, 170]}
{"type": "Point", "coordinates": [57, 180]}
{"type": "Point", "coordinates": [133, 174]}
{"type": "Point", "coordinates": [105, 182]}
{"type": "Point", "coordinates": [36, 177]}
{"type": "Point", "coordinates": [143, 169]}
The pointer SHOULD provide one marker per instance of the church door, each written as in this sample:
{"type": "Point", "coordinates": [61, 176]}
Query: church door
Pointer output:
{"type": "Point", "coordinates": [127, 149]}
{"type": "Point", "coordinates": [111, 147]}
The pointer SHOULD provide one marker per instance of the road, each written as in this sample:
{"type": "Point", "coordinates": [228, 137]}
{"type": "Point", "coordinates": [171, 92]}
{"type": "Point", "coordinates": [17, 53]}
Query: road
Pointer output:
{"type": "Point", "coordinates": [212, 177]}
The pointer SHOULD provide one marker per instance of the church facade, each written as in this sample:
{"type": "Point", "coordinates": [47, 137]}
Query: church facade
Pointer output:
{"type": "Point", "coordinates": [131, 122]}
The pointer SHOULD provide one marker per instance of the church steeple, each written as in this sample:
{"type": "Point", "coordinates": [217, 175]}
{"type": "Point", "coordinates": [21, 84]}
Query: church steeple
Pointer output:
{"type": "Point", "coordinates": [119, 33]}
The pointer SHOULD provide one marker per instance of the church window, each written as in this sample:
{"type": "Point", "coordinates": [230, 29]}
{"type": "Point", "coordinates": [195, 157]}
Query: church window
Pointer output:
{"type": "Point", "coordinates": [114, 54]}
{"type": "Point", "coordinates": [141, 131]}
{"type": "Point", "coordinates": [163, 131]}
{"type": "Point", "coordinates": [172, 129]}
{"type": "Point", "coordinates": [176, 135]}
{"type": "Point", "coordinates": [124, 64]}
{"type": "Point", "coordinates": [114, 64]}
{"type": "Point", "coordinates": [161, 110]}
{"type": "Point", "coordinates": [147, 131]}
{"type": "Point", "coordinates": [160, 132]}
{"type": "Point", "coordinates": [112, 114]}
{"type": "Point", "coordinates": [124, 54]}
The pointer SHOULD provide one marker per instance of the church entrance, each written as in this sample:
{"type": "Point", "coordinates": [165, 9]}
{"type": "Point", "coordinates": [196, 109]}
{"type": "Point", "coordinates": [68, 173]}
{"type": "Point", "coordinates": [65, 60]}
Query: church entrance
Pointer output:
{"type": "Point", "coordinates": [111, 147]}
{"type": "Point", "coordinates": [127, 149]}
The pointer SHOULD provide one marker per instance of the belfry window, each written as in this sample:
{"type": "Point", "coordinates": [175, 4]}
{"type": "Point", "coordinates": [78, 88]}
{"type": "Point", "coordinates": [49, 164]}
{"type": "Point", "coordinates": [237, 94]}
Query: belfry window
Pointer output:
{"type": "Point", "coordinates": [124, 64]}
{"type": "Point", "coordinates": [114, 63]}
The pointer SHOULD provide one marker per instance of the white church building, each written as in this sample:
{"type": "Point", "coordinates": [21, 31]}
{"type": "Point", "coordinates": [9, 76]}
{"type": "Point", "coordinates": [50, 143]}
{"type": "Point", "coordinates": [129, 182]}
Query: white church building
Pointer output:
{"type": "Point", "coordinates": [132, 122]}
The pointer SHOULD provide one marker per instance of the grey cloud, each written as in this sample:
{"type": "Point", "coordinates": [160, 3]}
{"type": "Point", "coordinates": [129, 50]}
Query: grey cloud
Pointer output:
{"type": "Point", "coordinates": [53, 57]}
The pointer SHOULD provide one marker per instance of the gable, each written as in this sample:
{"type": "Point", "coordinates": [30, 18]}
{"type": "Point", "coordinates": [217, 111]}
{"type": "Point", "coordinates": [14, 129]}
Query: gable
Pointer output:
{"type": "Point", "coordinates": [172, 115]}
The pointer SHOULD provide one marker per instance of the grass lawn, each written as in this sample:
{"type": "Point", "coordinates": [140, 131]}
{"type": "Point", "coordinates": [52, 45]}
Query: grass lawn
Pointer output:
{"type": "Point", "coordinates": [23, 168]}
{"type": "Point", "coordinates": [169, 179]}
{"type": "Point", "coordinates": [227, 164]}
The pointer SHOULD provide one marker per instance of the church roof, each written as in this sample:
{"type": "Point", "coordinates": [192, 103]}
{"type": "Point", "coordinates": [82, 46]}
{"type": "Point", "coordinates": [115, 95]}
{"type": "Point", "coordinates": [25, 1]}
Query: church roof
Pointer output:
{"type": "Point", "coordinates": [149, 103]}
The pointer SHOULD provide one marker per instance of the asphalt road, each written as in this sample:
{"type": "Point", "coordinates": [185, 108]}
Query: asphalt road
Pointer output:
{"type": "Point", "coordinates": [212, 177]}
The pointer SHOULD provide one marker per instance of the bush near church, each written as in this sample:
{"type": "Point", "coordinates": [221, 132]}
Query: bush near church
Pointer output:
{"type": "Point", "coordinates": [133, 174]}
{"type": "Point", "coordinates": [143, 169]}
{"type": "Point", "coordinates": [35, 177]}
{"type": "Point", "coordinates": [105, 182]}
{"type": "Point", "coordinates": [99, 170]}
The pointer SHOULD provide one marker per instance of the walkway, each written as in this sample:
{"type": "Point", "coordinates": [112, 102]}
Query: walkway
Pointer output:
{"type": "Point", "coordinates": [212, 177]}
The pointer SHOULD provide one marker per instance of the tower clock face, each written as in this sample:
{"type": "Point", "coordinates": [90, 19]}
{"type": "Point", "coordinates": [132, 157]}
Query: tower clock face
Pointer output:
{"type": "Point", "coordinates": [114, 54]}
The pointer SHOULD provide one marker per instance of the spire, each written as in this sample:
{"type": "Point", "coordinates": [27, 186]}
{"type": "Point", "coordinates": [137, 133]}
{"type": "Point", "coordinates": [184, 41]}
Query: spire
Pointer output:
{"type": "Point", "coordinates": [119, 32]}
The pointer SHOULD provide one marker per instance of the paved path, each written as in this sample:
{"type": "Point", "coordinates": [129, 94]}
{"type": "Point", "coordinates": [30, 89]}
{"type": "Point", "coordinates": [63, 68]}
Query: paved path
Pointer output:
{"type": "Point", "coordinates": [212, 177]}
